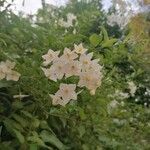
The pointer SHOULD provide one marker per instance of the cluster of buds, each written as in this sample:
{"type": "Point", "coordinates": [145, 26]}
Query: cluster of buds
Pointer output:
{"type": "Point", "coordinates": [6, 71]}
{"type": "Point", "coordinates": [76, 62]}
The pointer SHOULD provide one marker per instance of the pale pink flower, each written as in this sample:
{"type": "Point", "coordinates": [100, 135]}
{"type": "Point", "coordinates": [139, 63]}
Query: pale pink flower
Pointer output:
{"type": "Point", "coordinates": [90, 80]}
{"type": "Point", "coordinates": [85, 60]}
{"type": "Point", "coordinates": [50, 74]}
{"type": "Point", "coordinates": [94, 66]}
{"type": "Point", "coordinates": [79, 49]}
{"type": "Point", "coordinates": [13, 75]}
{"type": "Point", "coordinates": [7, 72]}
{"type": "Point", "coordinates": [50, 57]}
{"type": "Point", "coordinates": [72, 68]}
{"type": "Point", "coordinates": [56, 100]}
{"type": "Point", "coordinates": [67, 92]}
{"type": "Point", "coordinates": [68, 55]}
{"type": "Point", "coordinates": [58, 68]}
{"type": "Point", "coordinates": [2, 71]}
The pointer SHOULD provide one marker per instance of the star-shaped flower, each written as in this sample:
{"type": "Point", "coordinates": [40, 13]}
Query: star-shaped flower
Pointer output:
{"type": "Point", "coordinates": [85, 60]}
{"type": "Point", "coordinates": [72, 68]}
{"type": "Point", "coordinates": [58, 68]}
{"type": "Point", "coordinates": [13, 75]}
{"type": "Point", "coordinates": [56, 100]}
{"type": "Point", "coordinates": [7, 72]}
{"type": "Point", "coordinates": [51, 56]}
{"type": "Point", "coordinates": [50, 74]}
{"type": "Point", "coordinates": [67, 92]}
{"type": "Point", "coordinates": [79, 49]}
{"type": "Point", "coordinates": [68, 55]}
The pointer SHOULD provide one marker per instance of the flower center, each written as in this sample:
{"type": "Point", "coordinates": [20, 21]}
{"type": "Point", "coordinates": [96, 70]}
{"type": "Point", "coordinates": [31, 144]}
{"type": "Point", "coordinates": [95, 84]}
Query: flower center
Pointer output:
{"type": "Point", "coordinates": [66, 91]}
{"type": "Point", "coordinates": [85, 62]}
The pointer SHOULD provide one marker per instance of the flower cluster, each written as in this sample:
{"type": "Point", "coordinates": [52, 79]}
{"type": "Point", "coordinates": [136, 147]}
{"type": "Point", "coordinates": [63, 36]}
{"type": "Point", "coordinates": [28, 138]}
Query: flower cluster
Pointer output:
{"type": "Point", "coordinates": [69, 23]}
{"type": "Point", "coordinates": [65, 93]}
{"type": "Point", "coordinates": [76, 62]}
{"type": "Point", "coordinates": [7, 72]}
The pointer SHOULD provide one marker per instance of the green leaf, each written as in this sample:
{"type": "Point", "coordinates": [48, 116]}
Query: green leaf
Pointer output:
{"type": "Point", "coordinates": [52, 139]}
{"type": "Point", "coordinates": [105, 34]}
{"type": "Point", "coordinates": [95, 39]}
{"type": "Point", "coordinates": [27, 114]}
{"type": "Point", "coordinates": [109, 43]}
{"type": "Point", "coordinates": [35, 122]}
{"type": "Point", "coordinates": [82, 114]}
{"type": "Point", "coordinates": [33, 147]}
{"type": "Point", "coordinates": [19, 136]}
{"type": "Point", "coordinates": [81, 130]}
{"type": "Point", "coordinates": [20, 119]}
{"type": "Point", "coordinates": [4, 84]}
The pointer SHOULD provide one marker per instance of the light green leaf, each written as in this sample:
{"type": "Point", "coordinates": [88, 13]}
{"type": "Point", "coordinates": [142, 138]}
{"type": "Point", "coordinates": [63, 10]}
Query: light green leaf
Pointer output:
{"type": "Point", "coordinates": [109, 43]}
{"type": "Point", "coordinates": [95, 39]}
{"type": "Point", "coordinates": [105, 34]}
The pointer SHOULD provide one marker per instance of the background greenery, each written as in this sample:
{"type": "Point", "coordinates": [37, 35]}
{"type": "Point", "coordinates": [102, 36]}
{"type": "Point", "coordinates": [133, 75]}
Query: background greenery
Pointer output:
{"type": "Point", "coordinates": [33, 123]}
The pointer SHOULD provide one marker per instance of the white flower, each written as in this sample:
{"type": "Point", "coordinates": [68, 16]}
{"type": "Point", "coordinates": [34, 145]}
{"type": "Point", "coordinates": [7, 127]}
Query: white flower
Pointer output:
{"type": "Point", "coordinates": [7, 72]}
{"type": "Point", "coordinates": [56, 100]}
{"type": "Point", "coordinates": [79, 49]}
{"type": "Point", "coordinates": [132, 88]}
{"type": "Point", "coordinates": [72, 68]}
{"type": "Point", "coordinates": [71, 17]}
{"type": "Point", "coordinates": [13, 75]}
{"type": "Point", "coordinates": [58, 68]}
{"type": "Point", "coordinates": [50, 74]}
{"type": "Point", "coordinates": [67, 92]}
{"type": "Point", "coordinates": [90, 80]}
{"type": "Point", "coordinates": [94, 66]}
{"type": "Point", "coordinates": [2, 71]}
{"type": "Point", "coordinates": [7, 66]}
{"type": "Point", "coordinates": [50, 57]}
{"type": "Point", "coordinates": [10, 65]}
{"type": "Point", "coordinates": [68, 55]}
{"type": "Point", "coordinates": [85, 60]}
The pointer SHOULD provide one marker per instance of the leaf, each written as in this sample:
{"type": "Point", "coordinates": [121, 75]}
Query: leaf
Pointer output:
{"type": "Point", "coordinates": [95, 39]}
{"type": "Point", "coordinates": [109, 43]}
{"type": "Point", "coordinates": [4, 84]}
{"type": "Point", "coordinates": [105, 34]}
{"type": "Point", "coordinates": [27, 114]}
{"type": "Point", "coordinates": [52, 139]}
{"type": "Point", "coordinates": [35, 122]}
{"type": "Point", "coordinates": [19, 136]}
{"type": "Point", "coordinates": [81, 130]}
{"type": "Point", "coordinates": [20, 119]}
{"type": "Point", "coordinates": [37, 140]}
{"type": "Point", "coordinates": [3, 42]}
{"type": "Point", "coordinates": [33, 147]}
{"type": "Point", "coordinates": [82, 114]}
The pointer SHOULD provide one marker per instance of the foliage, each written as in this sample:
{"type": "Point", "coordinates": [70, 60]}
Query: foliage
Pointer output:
{"type": "Point", "coordinates": [91, 122]}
